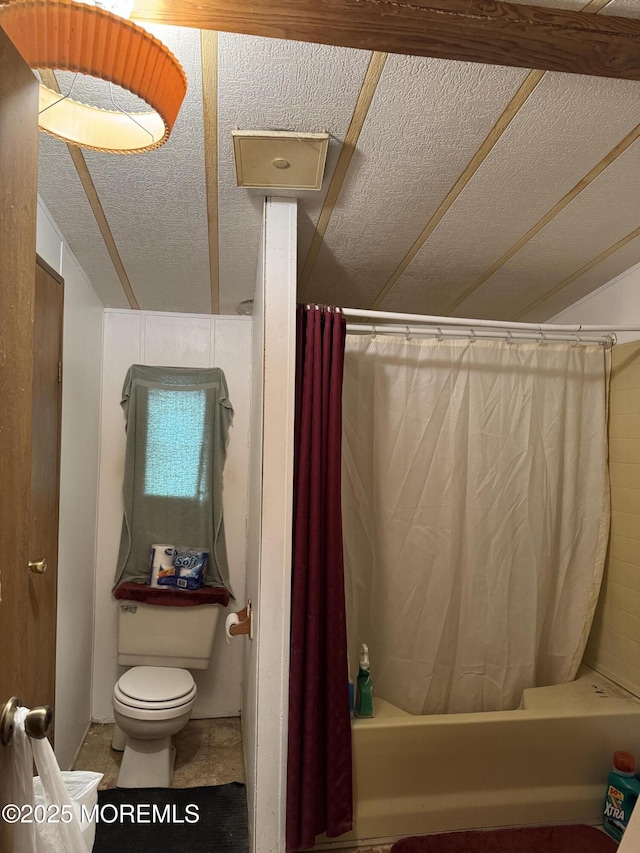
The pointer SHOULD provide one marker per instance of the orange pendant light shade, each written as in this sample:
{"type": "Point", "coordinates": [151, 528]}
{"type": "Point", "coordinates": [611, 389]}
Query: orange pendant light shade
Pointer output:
{"type": "Point", "coordinates": [62, 34]}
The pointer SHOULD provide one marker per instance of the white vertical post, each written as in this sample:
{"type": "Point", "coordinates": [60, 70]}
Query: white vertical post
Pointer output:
{"type": "Point", "coordinates": [265, 701]}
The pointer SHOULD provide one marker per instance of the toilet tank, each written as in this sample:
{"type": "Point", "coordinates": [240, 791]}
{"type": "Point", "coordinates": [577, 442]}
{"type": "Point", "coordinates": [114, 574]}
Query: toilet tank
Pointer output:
{"type": "Point", "coordinates": [150, 635]}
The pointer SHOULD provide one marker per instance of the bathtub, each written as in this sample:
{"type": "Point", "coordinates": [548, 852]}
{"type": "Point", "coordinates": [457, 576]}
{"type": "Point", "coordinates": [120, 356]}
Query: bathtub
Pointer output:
{"type": "Point", "coordinates": [546, 762]}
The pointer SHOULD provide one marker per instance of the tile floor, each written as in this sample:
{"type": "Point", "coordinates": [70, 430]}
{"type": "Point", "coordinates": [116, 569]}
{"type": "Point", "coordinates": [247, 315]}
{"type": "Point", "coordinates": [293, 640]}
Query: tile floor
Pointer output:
{"type": "Point", "coordinates": [209, 752]}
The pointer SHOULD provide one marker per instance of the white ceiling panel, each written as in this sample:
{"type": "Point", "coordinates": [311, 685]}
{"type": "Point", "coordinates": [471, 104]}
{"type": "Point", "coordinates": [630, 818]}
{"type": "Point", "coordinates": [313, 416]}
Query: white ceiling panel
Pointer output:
{"type": "Point", "coordinates": [599, 217]}
{"type": "Point", "coordinates": [426, 121]}
{"type": "Point", "coordinates": [276, 85]}
{"type": "Point", "coordinates": [575, 5]}
{"type": "Point", "coordinates": [626, 8]}
{"type": "Point", "coordinates": [156, 202]}
{"type": "Point", "coordinates": [613, 266]}
{"type": "Point", "coordinates": [564, 129]}
{"type": "Point", "coordinates": [62, 192]}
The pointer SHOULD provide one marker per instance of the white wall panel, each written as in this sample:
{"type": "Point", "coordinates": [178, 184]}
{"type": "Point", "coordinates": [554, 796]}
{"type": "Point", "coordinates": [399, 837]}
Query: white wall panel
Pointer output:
{"type": "Point", "coordinates": [79, 454]}
{"type": "Point", "coordinates": [80, 444]}
{"type": "Point", "coordinates": [48, 238]}
{"type": "Point", "coordinates": [183, 341]}
{"type": "Point", "coordinates": [176, 341]}
{"type": "Point", "coordinates": [122, 348]}
{"type": "Point", "coordinates": [617, 302]}
{"type": "Point", "coordinates": [219, 687]}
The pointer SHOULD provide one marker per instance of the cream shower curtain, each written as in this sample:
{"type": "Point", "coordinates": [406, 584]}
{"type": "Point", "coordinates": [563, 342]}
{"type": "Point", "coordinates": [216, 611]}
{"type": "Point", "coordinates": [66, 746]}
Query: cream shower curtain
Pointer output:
{"type": "Point", "coordinates": [476, 515]}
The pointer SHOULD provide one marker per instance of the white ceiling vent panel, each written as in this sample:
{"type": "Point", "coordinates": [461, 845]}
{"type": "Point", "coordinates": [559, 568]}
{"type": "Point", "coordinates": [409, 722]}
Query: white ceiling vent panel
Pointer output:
{"type": "Point", "coordinates": [276, 159]}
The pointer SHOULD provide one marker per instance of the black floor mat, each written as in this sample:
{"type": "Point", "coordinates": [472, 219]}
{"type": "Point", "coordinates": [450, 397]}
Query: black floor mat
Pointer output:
{"type": "Point", "coordinates": [173, 820]}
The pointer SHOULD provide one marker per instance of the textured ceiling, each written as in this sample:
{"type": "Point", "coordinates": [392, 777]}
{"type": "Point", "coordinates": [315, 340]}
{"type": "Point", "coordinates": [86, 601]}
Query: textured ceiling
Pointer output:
{"type": "Point", "coordinates": [441, 201]}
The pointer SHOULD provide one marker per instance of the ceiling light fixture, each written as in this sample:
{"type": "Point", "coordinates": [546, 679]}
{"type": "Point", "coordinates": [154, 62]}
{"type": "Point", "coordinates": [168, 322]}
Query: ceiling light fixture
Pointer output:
{"type": "Point", "coordinates": [72, 36]}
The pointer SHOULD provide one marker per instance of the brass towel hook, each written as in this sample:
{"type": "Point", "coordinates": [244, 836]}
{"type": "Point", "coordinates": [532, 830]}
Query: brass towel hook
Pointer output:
{"type": "Point", "coordinates": [36, 724]}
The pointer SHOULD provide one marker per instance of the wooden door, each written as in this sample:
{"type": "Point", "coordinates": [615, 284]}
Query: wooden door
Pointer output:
{"type": "Point", "coordinates": [18, 199]}
{"type": "Point", "coordinates": [42, 576]}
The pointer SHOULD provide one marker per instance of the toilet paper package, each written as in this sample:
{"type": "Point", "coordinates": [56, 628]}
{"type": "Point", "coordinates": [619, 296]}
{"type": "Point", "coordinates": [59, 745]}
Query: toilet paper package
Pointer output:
{"type": "Point", "coordinates": [162, 573]}
{"type": "Point", "coordinates": [189, 568]}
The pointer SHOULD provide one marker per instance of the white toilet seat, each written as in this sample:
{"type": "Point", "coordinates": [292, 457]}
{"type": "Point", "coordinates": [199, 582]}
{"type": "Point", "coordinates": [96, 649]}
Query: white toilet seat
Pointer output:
{"type": "Point", "coordinates": [147, 693]}
{"type": "Point", "coordinates": [150, 714]}
{"type": "Point", "coordinates": [156, 683]}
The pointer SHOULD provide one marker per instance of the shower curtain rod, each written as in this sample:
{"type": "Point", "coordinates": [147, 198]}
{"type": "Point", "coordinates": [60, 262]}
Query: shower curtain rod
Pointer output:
{"type": "Point", "coordinates": [380, 317]}
{"type": "Point", "coordinates": [469, 332]}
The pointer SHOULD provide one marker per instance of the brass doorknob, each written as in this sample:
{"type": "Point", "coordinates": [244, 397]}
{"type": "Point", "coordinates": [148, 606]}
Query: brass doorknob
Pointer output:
{"type": "Point", "coordinates": [38, 567]}
{"type": "Point", "coordinates": [37, 722]}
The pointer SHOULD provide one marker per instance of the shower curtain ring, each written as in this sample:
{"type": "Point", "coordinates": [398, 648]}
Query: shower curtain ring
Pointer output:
{"type": "Point", "coordinates": [509, 336]}
{"type": "Point", "coordinates": [407, 337]}
{"type": "Point", "coordinates": [439, 335]}
{"type": "Point", "coordinates": [543, 338]}
{"type": "Point", "coordinates": [472, 335]}
{"type": "Point", "coordinates": [577, 341]}
{"type": "Point", "coordinates": [373, 333]}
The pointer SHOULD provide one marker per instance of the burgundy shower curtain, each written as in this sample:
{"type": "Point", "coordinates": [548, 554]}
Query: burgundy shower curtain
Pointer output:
{"type": "Point", "coordinates": [319, 797]}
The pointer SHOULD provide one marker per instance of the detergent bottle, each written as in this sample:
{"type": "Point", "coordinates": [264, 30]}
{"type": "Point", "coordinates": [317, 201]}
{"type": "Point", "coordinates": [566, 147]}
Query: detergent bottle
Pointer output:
{"type": "Point", "coordinates": [623, 790]}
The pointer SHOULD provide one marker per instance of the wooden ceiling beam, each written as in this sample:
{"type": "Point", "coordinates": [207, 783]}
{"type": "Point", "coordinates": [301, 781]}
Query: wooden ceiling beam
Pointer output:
{"type": "Point", "coordinates": [485, 31]}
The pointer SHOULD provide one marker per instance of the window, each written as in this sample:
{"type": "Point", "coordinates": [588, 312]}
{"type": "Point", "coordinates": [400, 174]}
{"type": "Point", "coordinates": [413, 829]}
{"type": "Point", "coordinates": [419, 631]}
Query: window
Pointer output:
{"type": "Point", "coordinates": [174, 452]}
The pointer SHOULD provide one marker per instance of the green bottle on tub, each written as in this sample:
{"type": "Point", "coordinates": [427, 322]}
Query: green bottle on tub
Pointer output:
{"type": "Point", "coordinates": [623, 790]}
{"type": "Point", "coordinates": [364, 686]}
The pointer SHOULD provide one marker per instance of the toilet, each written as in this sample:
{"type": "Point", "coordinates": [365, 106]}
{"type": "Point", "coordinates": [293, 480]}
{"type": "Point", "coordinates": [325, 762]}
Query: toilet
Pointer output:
{"type": "Point", "coordinates": [153, 700]}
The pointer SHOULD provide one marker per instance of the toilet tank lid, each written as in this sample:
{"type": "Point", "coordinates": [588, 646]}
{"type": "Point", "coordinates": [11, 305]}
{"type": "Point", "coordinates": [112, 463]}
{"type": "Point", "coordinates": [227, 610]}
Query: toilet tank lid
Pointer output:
{"type": "Point", "coordinates": [156, 683]}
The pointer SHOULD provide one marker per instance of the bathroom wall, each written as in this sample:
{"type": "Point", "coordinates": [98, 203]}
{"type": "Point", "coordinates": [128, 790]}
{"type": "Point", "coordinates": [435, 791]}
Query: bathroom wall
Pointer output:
{"type": "Point", "coordinates": [82, 370]}
{"type": "Point", "coordinates": [178, 340]}
{"type": "Point", "coordinates": [614, 643]}
{"type": "Point", "coordinates": [616, 302]}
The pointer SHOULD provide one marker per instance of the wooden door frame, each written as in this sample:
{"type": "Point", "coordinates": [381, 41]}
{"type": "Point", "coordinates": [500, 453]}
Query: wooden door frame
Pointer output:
{"type": "Point", "coordinates": [18, 200]}
{"type": "Point", "coordinates": [49, 269]}
{"type": "Point", "coordinates": [42, 688]}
